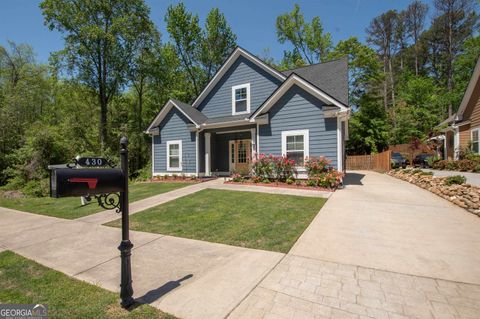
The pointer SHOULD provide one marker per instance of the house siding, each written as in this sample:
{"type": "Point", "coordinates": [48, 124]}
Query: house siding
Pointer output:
{"type": "Point", "coordinates": [174, 127]}
{"type": "Point", "coordinates": [219, 101]}
{"type": "Point", "coordinates": [464, 132]}
{"type": "Point", "coordinates": [299, 110]}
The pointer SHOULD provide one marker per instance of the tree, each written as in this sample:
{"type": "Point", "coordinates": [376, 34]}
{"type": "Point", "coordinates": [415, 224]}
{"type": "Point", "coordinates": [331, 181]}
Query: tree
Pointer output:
{"type": "Point", "coordinates": [401, 37]}
{"type": "Point", "coordinates": [201, 52]}
{"type": "Point", "coordinates": [364, 67]}
{"type": "Point", "coordinates": [415, 23]}
{"type": "Point", "coordinates": [101, 39]}
{"type": "Point", "coordinates": [368, 127]}
{"type": "Point", "coordinates": [218, 41]}
{"type": "Point", "coordinates": [307, 38]}
{"type": "Point", "coordinates": [454, 23]}
{"type": "Point", "coordinates": [382, 33]}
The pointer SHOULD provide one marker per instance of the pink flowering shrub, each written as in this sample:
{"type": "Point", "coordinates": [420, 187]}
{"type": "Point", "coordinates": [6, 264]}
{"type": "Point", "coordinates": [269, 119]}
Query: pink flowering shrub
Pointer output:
{"type": "Point", "coordinates": [320, 173]}
{"type": "Point", "coordinates": [270, 167]}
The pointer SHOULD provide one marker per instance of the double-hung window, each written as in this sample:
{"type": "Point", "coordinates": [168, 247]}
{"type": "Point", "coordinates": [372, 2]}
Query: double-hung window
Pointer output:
{"type": "Point", "coordinates": [174, 155]}
{"type": "Point", "coordinates": [241, 99]}
{"type": "Point", "coordinates": [475, 140]}
{"type": "Point", "coordinates": [295, 145]}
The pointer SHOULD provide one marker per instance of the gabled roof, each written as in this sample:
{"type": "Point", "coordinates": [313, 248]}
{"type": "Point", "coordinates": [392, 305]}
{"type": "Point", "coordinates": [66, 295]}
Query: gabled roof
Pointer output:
{"type": "Point", "coordinates": [228, 63]}
{"type": "Point", "coordinates": [331, 77]}
{"type": "Point", "coordinates": [194, 115]}
{"type": "Point", "coordinates": [295, 79]}
{"type": "Point", "coordinates": [469, 91]}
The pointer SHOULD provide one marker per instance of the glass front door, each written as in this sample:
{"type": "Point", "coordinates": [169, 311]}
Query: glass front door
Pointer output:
{"type": "Point", "coordinates": [240, 155]}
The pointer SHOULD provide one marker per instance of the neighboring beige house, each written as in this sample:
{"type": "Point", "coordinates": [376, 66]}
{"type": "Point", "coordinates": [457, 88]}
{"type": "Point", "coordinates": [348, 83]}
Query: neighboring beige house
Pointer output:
{"type": "Point", "coordinates": [463, 128]}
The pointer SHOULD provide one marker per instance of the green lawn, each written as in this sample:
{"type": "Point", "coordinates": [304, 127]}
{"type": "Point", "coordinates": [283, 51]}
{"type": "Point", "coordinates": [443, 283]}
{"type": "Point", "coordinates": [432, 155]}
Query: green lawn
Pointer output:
{"type": "Point", "coordinates": [23, 281]}
{"type": "Point", "coordinates": [247, 219]}
{"type": "Point", "coordinates": [70, 207]}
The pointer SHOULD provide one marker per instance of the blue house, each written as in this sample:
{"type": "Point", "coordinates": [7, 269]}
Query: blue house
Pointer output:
{"type": "Point", "coordinates": [249, 108]}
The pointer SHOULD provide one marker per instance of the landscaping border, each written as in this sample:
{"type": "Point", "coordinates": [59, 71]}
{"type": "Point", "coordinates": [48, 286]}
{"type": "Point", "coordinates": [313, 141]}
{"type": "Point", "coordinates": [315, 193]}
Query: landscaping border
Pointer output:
{"type": "Point", "coordinates": [282, 185]}
{"type": "Point", "coordinates": [464, 195]}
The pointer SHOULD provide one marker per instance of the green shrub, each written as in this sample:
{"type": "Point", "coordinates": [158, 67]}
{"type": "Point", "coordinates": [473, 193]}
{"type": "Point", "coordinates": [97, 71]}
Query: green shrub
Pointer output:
{"type": "Point", "coordinates": [416, 171]}
{"type": "Point", "coordinates": [290, 181]}
{"type": "Point", "coordinates": [319, 170]}
{"type": "Point", "coordinates": [406, 171]}
{"type": "Point", "coordinates": [440, 164]}
{"type": "Point", "coordinates": [279, 168]}
{"type": "Point", "coordinates": [432, 160]}
{"type": "Point", "coordinates": [144, 174]}
{"type": "Point", "coordinates": [477, 168]}
{"type": "Point", "coordinates": [426, 173]}
{"type": "Point", "coordinates": [451, 165]}
{"type": "Point", "coordinates": [455, 180]}
{"type": "Point", "coordinates": [466, 165]}
{"type": "Point", "coordinates": [311, 182]}
{"type": "Point", "coordinates": [237, 178]}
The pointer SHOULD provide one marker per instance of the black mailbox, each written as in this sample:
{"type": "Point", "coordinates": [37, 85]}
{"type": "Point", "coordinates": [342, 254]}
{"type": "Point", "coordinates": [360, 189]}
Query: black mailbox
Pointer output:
{"type": "Point", "coordinates": [74, 182]}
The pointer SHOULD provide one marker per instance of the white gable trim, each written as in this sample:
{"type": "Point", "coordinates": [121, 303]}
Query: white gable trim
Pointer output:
{"type": "Point", "coordinates": [161, 115]}
{"type": "Point", "coordinates": [233, 57]}
{"type": "Point", "coordinates": [295, 79]}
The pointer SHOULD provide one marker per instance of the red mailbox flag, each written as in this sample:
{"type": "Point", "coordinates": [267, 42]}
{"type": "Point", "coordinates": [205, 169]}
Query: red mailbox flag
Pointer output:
{"type": "Point", "coordinates": [92, 182]}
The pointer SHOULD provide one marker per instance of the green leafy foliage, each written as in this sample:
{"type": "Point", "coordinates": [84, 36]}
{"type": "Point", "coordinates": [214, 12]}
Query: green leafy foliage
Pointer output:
{"type": "Point", "coordinates": [455, 180]}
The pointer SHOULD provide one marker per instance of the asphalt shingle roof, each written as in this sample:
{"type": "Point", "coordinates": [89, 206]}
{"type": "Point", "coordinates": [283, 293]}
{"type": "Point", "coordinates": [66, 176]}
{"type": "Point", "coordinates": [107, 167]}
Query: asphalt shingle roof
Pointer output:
{"type": "Point", "coordinates": [330, 77]}
{"type": "Point", "coordinates": [197, 116]}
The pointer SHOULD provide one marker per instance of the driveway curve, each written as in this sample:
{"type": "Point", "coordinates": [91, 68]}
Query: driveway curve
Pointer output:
{"type": "Point", "coordinates": [381, 222]}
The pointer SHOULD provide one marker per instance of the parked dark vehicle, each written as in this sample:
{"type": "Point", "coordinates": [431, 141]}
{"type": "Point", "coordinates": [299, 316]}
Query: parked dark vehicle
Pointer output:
{"type": "Point", "coordinates": [399, 161]}
{"type": "Point", "coordinates": [421, 160]}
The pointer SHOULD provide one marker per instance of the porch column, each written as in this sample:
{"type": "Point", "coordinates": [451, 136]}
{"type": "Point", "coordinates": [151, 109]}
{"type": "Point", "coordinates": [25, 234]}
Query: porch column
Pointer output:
{"type": "Point", "coordinates": [207, 155]}
{"type": "Point", "coordinates": [253, 133]}
{"type": "Point", "coordinates": [456, 143]}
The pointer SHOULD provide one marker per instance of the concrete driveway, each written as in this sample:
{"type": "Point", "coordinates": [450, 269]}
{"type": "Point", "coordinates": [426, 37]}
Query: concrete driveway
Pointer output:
{"type": "Point", "coordinates": [385, 223]}
{"type": "Point", "coordinates": [380, 248]}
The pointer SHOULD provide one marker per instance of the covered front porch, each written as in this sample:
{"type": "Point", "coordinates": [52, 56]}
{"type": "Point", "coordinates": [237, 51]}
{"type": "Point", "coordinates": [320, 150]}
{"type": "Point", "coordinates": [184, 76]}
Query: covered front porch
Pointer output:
{"type": "Point", "coordinates": [222, 151]}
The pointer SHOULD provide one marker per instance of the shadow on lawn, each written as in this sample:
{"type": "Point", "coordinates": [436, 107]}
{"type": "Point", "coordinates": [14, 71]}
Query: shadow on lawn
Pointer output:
{"type": "Point", "coordinates": [157, 293]}
{"type": "Point", "coordinates": [353, 179]}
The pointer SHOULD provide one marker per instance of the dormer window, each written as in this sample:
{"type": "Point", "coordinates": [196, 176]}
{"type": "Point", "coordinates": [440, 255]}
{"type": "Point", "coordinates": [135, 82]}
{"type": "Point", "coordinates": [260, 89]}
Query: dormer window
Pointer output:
{"type": "Point", "coordinates": [241, 99]}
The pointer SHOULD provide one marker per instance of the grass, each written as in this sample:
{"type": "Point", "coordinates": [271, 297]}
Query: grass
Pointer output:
{"type": "Point", "coordinates": [23, 281]}
{"type": "Point", "coordinates": [70, 207]}
{"type": "Point", "coordinates": [246, 219]}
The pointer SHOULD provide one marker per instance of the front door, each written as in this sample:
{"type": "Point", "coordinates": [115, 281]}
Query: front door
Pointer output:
{"type": "Point", "coordinates": [240, 155]}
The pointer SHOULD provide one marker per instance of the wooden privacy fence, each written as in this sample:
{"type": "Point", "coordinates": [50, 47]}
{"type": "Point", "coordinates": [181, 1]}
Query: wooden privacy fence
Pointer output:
{"type": "Point", "coordinates": [376, 162]}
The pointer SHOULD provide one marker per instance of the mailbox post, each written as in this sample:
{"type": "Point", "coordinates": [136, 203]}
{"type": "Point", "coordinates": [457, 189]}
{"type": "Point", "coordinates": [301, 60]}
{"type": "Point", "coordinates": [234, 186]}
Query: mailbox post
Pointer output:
{"type": "Point", "coordinates": [126, 289]}
{"type": "Point", "coordinates": [87, 177]}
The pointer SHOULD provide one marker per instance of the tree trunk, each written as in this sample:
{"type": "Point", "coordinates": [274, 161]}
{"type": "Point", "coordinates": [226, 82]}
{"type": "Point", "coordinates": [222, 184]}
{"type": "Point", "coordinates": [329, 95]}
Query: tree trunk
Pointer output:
{"type": "Point", "coordinates": [392, 83]}
{"type": "Point", "coordinates": [103, 118]}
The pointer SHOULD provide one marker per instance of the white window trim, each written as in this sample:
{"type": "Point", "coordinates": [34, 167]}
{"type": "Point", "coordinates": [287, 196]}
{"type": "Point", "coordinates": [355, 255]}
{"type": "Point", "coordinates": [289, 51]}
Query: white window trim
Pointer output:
{"type": "Point", "coordinates": [174, 169]}
{"type": "Point", "coordinates": [471, 137]}
{"type": "Point", "coordinates": [236, 87]}
{"type": "Point", "coordinates": [306, 144]}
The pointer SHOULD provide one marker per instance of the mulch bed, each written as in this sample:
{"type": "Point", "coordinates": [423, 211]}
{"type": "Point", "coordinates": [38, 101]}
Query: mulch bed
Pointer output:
{"type": "Point", "coordinates": [282, 185]}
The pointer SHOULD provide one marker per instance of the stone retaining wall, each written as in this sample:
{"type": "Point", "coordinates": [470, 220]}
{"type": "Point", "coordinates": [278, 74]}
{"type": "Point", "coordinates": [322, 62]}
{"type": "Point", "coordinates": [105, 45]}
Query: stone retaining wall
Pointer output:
{"type": "Point", "coordinates": [466, 196]}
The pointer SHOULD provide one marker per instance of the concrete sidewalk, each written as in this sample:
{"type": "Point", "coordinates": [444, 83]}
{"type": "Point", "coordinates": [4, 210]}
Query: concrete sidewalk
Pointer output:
{"type": "Point", "coordinates": [184, 277]}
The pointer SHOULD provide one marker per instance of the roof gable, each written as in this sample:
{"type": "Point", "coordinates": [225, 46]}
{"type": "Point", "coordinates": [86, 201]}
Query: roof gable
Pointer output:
{"type": "Point", "coordinates": [331, 77]}
{"type": "Point", "coordinates": [295, 79]}
{"type": "Point", "coordinates": [472, 87]}
{"type": "Point", "coordinates": [228, 63]}
{"type": "Point", "coordinates": [191, 113]}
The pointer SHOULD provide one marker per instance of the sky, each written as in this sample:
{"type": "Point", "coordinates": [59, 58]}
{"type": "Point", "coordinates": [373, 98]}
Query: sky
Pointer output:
{"type": "Point", "coordinates": [253, 21]}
